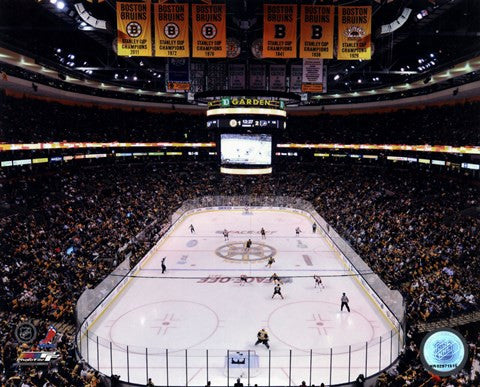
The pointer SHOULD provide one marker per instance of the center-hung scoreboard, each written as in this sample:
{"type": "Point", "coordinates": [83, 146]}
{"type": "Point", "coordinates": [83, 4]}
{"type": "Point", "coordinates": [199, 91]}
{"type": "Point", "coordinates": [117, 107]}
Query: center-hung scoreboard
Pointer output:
{"type": "Point", "coordinates": [245, 129]}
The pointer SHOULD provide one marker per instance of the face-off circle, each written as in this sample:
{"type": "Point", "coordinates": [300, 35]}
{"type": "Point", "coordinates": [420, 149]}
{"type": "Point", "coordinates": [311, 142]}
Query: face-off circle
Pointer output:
{"type": "Point", "coordinates": [169, 322]}
{"type": "Point", "coordinates": [237, 251]}
{"type": "Point", "coordinates": [326, 320]}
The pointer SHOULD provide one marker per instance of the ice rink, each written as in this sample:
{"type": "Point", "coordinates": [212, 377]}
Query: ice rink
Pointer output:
{"type": "Point", "coordinates": [198, 309]}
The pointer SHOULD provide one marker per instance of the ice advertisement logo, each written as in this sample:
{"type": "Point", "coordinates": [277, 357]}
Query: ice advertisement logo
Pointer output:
{"type": "Point", "coordinates": [444, 352]}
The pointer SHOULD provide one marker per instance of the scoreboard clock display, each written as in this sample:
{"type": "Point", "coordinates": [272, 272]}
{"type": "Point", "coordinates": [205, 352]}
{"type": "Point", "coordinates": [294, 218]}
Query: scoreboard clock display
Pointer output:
{"type": "Point", "coordinates": [246, 122]}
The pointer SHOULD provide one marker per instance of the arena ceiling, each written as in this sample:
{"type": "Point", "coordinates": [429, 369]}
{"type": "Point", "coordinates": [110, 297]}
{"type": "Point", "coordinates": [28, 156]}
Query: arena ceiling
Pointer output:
{"type": "Point", "coordinates": [436, 35]}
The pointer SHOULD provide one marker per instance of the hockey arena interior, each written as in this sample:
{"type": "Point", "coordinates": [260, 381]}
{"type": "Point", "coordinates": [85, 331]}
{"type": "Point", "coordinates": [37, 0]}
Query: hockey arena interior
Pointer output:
{"type": "Point", "coordinates": [239, 193]}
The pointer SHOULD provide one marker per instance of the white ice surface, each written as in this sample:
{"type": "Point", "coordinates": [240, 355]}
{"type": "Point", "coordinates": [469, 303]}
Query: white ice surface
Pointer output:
{"type": "Point", "coordinates": [199, 305]}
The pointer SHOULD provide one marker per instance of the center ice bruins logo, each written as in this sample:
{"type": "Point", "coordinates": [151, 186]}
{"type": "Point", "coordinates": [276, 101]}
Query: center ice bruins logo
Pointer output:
{"type": "Point", "coordinates": [236, 251]}
{"type": "Point", "coordinates": [354, 32]}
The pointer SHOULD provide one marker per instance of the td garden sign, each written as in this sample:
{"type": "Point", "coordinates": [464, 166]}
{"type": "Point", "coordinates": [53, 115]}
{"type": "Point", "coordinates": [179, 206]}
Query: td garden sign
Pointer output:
{"type": "Point", "coordinates": [241, 102]}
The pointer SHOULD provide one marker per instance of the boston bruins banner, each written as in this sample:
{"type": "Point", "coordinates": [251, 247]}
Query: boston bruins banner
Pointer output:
{"type": "Point", "coordinates": [279, 31]}
{"type": "Point", "coordinates": [209, 30]}
{"type": "Point", "coordinates": [354, 33]}
{"type": "Point", "coordinates": [134, 29]}
{"type": "Point", "coordinates": [171, 30]}
{"type": "Point", "coordinates": [316, 31]}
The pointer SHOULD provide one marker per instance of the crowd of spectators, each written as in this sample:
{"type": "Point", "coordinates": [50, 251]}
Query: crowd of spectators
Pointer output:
{"type": "Point", "coordinates": [64, 228]}
{"type": "Point", "coordinates": [30, 120]}
{"type": "Point", "coordinates": [454, 125]}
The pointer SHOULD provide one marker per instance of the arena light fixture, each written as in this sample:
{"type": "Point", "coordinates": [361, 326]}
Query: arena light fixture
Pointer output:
{"type": "Point", "coordinates": [245, 110]}
{"type": "Point", "coordinates": [53, 1]}
{"type": "Point", "coordinates": [250, 171]}
{"type": "Point", "coordinates": [60, 5]}
{"type": "Point", "coordinates": [336, 77]}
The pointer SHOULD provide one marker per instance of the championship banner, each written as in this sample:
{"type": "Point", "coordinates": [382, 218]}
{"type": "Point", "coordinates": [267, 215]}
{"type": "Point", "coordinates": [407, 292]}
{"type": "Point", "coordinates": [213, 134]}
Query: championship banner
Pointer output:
{"type": "Point", "coordinates": [257, 77]}
{"type": "Point", "coordinates": [209, 30]}
{"type": "Point", "coordinates": [354, 33]}
{"type": "Point", "coordinates": [171, 30]}
{"type": "Point", "coordinates": [279, 31]}
{"type": "Point", "coordinates": [236, 76]}
{"type": "Point", "coordinates": [316, 31]}
{"type": "Point", "coordinates": [277, 77]}
{"type": "Point", "coordinates": [312, 79]}
{"type": "Point", "coordinates": [134, 29]}
{"type": "Point", "coordinates": [296, 72]}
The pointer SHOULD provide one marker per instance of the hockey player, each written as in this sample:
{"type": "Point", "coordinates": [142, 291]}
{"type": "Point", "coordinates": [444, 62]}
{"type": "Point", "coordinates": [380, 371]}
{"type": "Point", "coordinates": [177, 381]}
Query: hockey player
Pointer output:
{"type": "Point", "coordinates": [314, 227]}
{"type": "Point", "coordinates": [318, 281]}
{"type": "Point", "coordinates": [275, 279]}
{"type": "Point", "coordinates": [262, 338]}
{"type": "Point", "coordinates": [344, 303]}
{"type": "Point", "coordinates": [164, 267]}
{"type": "Point", "coordinates": [192, 229]}
{"type": "Point", "coordinates": [262, 232]}
{"type": "Point", "coordinates": [297, 231]}
{"type": "Point", "coordinates": [277, 290]}
{"type": "Point", "coordinates": [243, 279]}
{"type": "Point", "coordinates": [225, 234]}
{"type": "Point", "coordinates": [248, 245]}
{"type": "Point", "coordinates": [271, 260]}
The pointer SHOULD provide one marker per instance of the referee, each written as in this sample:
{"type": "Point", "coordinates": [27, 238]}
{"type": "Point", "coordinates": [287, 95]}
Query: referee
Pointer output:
{"type": "Point", "coordinates": [344, 303]}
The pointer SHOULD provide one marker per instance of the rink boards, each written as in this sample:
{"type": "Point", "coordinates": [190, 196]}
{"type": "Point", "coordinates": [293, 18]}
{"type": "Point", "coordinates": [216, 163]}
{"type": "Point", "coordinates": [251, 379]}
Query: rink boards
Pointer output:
{"type": "Point", "coordinates": [224, 270]}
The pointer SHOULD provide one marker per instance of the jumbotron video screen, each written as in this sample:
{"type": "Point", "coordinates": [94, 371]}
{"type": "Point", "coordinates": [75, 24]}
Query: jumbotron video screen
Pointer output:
{"type": "Point", "coordinates": [246, 149]}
